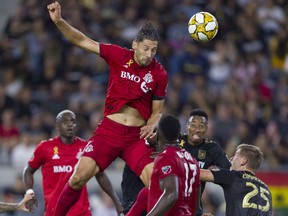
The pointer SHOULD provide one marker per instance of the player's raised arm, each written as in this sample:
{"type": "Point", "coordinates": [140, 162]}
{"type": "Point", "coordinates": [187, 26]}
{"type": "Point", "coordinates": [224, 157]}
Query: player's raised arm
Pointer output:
{"type": "Point", "coordinates": [70, 33]}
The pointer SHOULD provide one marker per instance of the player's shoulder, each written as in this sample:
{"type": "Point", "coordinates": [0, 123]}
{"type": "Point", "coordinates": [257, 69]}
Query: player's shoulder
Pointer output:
{"type": "Point", "coordinates": [211, 144]}
{"type": "Point", "coordinates": [183, 141]}
{"type": "Point", "coordinates": [80, 140]}
{"type": "Point", "coordinates": [159, 68]}
{"type": "Point", "coordinates": [49, 141]}
{"type": "Point", "coordinates": [120, 51]}
{"type": "Point", "coordinates": [208, 141]}
{"type": "Point", "coordinates": [43, 145]}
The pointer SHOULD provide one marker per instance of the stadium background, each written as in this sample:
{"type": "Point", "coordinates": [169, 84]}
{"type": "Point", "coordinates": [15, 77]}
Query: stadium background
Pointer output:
{"type": "Point", "coordinates": [240, 78]}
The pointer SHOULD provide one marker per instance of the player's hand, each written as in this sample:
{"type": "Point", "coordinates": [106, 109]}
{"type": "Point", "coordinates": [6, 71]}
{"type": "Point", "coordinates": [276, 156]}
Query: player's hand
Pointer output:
{"type": "Point", "coordinates": [207, 214]}
{"type": "Point", "coordinates": [147, 132]}
{"type": "Point", "coordinates": [31, 204]}
{"type": "Point", "coordinates": [25, 204]}
{"type": "Point", "coordinates": [119, 208]}
{"type": "Point", "coordinates": [152, 141]}
{"type": "Point", "coordinates": [54, 11]}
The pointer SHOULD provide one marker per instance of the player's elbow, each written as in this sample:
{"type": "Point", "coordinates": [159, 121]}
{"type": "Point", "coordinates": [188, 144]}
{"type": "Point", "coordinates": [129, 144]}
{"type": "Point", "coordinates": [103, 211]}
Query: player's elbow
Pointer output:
{"type": "Point", "coordinates": [172, 198]}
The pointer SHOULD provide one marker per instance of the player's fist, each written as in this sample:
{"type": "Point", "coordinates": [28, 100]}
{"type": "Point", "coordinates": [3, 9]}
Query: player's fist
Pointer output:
{"type": "Point", "coordinates": [31, 202]}
{"type": "Point", "coordinates": [54, 11]}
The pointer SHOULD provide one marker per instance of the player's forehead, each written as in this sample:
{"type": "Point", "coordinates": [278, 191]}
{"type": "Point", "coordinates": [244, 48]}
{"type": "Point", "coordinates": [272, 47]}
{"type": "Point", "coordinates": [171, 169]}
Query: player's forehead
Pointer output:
{"type": "Point", "coordinates": [148, 44]}
{"type": "Point", "coordinates": [197, 119]}
{"type": "Point", "coordinates": [66, 116]}
{"type": "Point", "coordinates": [237, 153]}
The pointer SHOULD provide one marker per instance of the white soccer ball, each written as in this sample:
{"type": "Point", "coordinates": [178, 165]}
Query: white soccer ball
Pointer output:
{"type": "Point", "coordinates": [203, 26]}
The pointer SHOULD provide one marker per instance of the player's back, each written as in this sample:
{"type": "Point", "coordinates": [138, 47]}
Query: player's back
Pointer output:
{"type": "Point", "coordinates": [247, 195]}
{"type": "Point", "coordinates": [178, 162]}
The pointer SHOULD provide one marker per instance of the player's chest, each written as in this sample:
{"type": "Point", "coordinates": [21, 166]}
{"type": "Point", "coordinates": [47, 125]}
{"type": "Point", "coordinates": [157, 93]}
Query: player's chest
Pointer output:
{"type": "Point", "coordinates": [135, 78]}
{"type": "Point", "coordinates": [201, 155]}
{"type": "Point", "coordinates": [58, 155]}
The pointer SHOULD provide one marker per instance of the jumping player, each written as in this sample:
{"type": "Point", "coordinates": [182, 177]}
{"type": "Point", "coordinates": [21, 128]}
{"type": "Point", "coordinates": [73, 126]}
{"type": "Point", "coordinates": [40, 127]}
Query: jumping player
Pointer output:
{"type": "Point", "coordinates": [134, 103]}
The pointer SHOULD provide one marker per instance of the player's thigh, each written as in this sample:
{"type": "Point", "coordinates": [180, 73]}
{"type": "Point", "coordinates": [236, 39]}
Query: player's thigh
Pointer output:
{"type": "Point", "coordinates": [138, 156]}
{"type": "Point", "coordinates": [85, 169]}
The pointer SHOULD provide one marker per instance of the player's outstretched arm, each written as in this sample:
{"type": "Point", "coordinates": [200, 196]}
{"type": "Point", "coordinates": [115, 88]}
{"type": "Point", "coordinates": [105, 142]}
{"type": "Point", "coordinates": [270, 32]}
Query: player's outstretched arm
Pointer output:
{"type": "Point", "coordinates": [6, 207]}
{"type": "Point", "coordinates": [206, 175]}
{"type": "Point", "coordinates": [107, 187]}
{"type": "Point", "coordinates": [70, 33]}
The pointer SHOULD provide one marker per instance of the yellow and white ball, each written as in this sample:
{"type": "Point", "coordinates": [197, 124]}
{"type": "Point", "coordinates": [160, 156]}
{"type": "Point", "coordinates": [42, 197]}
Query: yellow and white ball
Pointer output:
{"type": "Point", "coordinates": [203, 26]}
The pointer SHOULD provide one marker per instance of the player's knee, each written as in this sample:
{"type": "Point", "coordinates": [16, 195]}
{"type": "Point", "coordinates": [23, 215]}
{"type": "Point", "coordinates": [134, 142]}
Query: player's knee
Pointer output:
{"type": "Point", "coordinates": [77, 181]}
{"type": "Point", "coordinates": [146, 174]}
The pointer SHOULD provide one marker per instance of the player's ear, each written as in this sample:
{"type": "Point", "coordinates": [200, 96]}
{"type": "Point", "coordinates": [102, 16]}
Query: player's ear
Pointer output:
{"type": "Point", "coordinates": [134, 45]}
{"type": "Point", "coordinates": [244, 161]}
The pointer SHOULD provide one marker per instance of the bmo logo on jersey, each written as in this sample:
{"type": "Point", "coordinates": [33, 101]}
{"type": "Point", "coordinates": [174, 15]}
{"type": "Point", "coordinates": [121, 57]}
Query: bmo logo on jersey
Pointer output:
{"type": "Point", "coordinates": [62, 169]}
{"type": "Point", "coordinates": [147, 79]}
{"type": "Point", "coordinates": [132, 77]}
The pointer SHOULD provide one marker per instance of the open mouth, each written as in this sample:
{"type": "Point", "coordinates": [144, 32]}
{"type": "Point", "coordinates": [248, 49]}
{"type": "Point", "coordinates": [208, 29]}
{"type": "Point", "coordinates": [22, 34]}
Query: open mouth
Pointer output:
{"type": "Point", "coordinates": [196, 137]}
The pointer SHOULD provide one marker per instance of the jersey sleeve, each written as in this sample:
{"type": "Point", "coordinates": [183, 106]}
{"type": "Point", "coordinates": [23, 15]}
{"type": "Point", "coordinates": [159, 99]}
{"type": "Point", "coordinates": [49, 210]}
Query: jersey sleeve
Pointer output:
{"type": "Point", "coordinates": [110, 52]}
{"type": "Point", "coordinates": [37, 158]}
{"type": "Point", "coordinates": [161, 89]}
{"type": "Point", "coordinates": [164, 167]}
{"type": "Point", "coordinates": [224, 177]}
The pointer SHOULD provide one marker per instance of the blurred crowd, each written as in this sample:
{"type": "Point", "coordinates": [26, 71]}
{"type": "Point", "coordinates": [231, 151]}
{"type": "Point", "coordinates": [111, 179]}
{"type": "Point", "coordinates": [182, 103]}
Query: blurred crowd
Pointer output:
{"type": "Point", "coordinates": [240, 78]}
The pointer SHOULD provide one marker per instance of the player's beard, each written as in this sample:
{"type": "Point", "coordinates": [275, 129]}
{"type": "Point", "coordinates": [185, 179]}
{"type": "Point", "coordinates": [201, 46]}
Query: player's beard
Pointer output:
{"type": "Point", "coordinates": [144, 62]}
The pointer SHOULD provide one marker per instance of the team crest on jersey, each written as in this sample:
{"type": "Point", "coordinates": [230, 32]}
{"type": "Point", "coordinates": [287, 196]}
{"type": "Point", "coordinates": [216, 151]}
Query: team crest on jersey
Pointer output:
{"type": "Point", "coordinates": [56, 153]}
{"type": "Point", "coordinates": [88, 148]}
{"type": "Point", "coordinates": [166, 169]}
{"type": "Point", "coordinates": [201, 154]}
{"type": "Point", "coordinates": [148, 78]}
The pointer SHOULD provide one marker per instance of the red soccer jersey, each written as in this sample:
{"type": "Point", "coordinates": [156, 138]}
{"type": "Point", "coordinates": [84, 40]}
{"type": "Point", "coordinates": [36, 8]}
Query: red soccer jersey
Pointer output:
{"type": "Point", "coordinates": [58, 161]}
{"type": "Point", "coordinates": [130, 83]}
{"type": "Point", "coordinates": [178, 162]}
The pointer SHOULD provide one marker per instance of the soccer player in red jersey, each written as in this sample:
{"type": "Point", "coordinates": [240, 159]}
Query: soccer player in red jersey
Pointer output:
{"type": "Point", "coordinates": [7, 207]}
{"type": "Point", "coordinates": [134, 103]}
{"type": "Point", "coordinates": [58, 157]}
{"type": "Point", "coordinates": [175, 185]}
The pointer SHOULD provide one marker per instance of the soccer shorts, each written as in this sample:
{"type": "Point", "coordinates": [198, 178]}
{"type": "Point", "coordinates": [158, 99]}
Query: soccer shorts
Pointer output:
{"type": "Point", "coordinates": [112, 140]}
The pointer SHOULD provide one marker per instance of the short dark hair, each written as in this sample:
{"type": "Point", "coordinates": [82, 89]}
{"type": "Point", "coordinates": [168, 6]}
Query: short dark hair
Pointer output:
{"type": "Point", "coordinates": [199, 112]}
{"type": "Point", "coordinates": [147, 31]}
{"type": "Point", "coordinates": [253, 155]}
{"type": "Point", "coordinates": [170, 127]}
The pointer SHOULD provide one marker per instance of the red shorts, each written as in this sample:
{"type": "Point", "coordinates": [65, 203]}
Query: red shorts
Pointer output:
{"type": "Point", "coordinates": [112, 140]}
